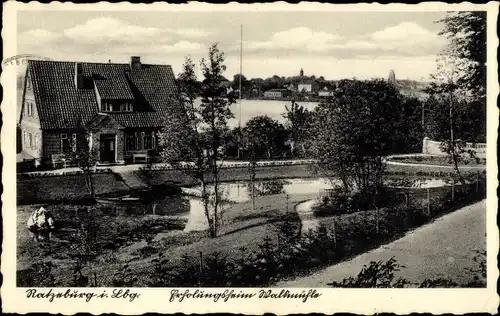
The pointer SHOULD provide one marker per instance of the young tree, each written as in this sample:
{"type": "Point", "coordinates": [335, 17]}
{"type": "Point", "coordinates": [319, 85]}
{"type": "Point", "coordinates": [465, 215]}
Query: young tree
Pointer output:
{"type": "Point", "coordinates": [354, 130]}
{"type": "Point", "coordinates": [85, 156]}
{"type": "Point", "coordinates": [192, 137]}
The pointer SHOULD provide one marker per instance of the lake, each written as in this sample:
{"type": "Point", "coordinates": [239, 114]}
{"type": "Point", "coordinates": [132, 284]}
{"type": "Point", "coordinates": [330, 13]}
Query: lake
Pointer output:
{"type": "Point", "coordinates": [252, 108]}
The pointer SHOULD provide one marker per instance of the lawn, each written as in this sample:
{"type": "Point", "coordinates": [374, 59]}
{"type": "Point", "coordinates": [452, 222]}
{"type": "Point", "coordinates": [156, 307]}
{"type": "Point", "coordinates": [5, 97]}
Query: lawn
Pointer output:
{"type": "Point", "coordinates": [65, 188]}
{"type": "Point", "coordinates": [119, 238]}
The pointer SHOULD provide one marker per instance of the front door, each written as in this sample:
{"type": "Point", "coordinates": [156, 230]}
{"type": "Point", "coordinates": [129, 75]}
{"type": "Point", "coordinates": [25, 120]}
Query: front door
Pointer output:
{"type": "Point", "coordinates": [107, 148]}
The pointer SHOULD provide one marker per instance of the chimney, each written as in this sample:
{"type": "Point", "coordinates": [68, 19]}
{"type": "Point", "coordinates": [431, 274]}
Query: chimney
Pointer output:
{"type": "Point", "coordinates": [135, 63]}
{"type": "Point", "coordinates": [78, 76]}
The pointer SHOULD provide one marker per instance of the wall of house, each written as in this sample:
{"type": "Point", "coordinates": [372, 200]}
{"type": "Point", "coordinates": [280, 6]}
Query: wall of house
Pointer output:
{"type": "Point", "coordinates": [119, 141]}
{"type": "Point", "coordinates": [52, 141]}
{"type": "Point", "coordinates": [138, 132]}
{"type": "Point", "coordinates": [30, 123]}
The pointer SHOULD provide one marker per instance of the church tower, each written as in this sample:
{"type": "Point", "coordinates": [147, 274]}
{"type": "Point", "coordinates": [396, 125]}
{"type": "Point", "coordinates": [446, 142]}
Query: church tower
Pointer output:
{"type": "Point", "coordinates": [392, 77]}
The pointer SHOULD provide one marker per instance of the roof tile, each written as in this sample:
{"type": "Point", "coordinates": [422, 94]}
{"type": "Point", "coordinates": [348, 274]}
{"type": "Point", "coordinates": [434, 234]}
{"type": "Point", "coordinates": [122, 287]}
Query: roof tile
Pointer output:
{"type": "Point", "coordinates": [60, 105]}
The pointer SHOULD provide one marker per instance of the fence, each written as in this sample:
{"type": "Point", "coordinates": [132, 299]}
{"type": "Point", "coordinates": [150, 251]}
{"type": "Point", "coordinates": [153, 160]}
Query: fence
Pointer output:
{"type": "Point", "coordinates": [336, 238]}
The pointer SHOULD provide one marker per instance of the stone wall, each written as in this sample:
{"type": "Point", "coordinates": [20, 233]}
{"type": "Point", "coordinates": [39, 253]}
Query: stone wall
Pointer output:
{"type": "Point", "coordinates": [432, 147]}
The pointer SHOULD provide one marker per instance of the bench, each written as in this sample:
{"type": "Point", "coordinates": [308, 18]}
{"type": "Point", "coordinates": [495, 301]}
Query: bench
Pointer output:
{"type": "Point", "coordinates": [140, 155]}
{"type": "Point", "coordinates": [58, 160]}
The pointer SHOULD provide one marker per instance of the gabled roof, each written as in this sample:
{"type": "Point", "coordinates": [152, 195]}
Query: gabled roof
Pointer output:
{"type": "Point", "coordinates": [60, 105]}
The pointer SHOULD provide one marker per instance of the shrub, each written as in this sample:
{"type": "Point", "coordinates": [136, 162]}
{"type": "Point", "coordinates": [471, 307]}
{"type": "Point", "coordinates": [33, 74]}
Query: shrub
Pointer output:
{"type": "Point", "coordinates": [39, 275]}
{"type": "Point", "coordinates": [375, 275]}
{"type": "Point", "coordinates": [125, 277]}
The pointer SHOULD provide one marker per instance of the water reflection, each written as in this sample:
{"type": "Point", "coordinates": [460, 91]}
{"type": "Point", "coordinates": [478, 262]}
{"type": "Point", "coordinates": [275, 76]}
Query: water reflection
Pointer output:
{"type": "Point", "coordinates": [264, 188]}
{"type": "Point", "coordinates": [239, 192]}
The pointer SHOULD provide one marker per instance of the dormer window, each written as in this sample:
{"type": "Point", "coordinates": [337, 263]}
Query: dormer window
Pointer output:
{"type": "Point", "coordinates": [110, 106]}
{"type": "Point", "coordinates": [107, 107]}
{"type": "Point", "coordinates": [126, 107]}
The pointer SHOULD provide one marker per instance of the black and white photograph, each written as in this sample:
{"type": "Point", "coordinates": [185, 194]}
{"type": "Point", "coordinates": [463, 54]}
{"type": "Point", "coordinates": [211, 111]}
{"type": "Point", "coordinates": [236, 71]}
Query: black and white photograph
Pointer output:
{"type": "Point", "coordinates": [243, 149]}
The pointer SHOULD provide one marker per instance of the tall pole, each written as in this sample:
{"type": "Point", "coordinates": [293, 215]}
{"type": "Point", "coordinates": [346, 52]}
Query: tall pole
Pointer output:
{"type": "Point", "coordinates": [241, 71]}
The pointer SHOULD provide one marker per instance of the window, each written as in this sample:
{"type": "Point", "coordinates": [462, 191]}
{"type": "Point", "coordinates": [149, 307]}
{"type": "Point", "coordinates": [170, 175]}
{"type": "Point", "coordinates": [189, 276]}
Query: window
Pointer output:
{"type": "Point", "coordinates": [73, 142]}
{"type": "Point", "coordinates": [138, 142]}
{"type": "Point", "coordinates": [31, 140]}
{"type": "Point", "coordinates": [148, 140]}
{"type": "Point", "coordinates": [29, 109]}
{"type": "Point", "coordinates": [107, 107]}
{"type": "Point", "coordinates": [65, 146]}
{"type": "Point", "coordinates": [25, 138]}
{"type": "Point", "coordinates": [130, 142]}
{"type": "Point", "coordinates": [143, 141]}
{"type": "Point", "coordinates": [126, 107]}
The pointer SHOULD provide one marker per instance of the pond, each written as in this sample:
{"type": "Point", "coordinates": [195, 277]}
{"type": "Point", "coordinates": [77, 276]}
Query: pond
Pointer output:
{"type": "Point", "coordinates": [189, 207]}
{"type": "Point", "coordinates": [240, 192]}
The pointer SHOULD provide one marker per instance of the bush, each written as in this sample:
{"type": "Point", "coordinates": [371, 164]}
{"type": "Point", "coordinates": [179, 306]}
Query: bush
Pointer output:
{"type": "Point", "coordinates": [39, 275]}
{"type": "Point", "coordinates": [375, 275]}
{"type": "Point", "coordinates": [342, 203]}
{"type": "Point", "coordinates": [382, 275]}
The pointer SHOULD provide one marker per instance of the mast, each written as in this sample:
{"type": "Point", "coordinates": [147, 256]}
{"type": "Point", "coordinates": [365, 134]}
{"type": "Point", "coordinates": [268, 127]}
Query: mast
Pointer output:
{"type": "Point", "coordinates": [241, 71]}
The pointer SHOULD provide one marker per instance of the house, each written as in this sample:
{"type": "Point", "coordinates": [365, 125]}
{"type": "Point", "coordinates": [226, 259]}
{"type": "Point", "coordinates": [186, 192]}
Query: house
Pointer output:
{"type": "Point", "coordinates": [116, 109]}
{"type": "Point", "coordinates": [278, 93]}
{"type": "Point", "coordinates": [309, 86]}
{"type": "Point", "coordinates": [325, 92]}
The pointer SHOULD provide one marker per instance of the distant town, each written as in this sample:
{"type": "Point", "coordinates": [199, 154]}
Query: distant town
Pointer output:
{"type": "Point", "coordinates": [303, 87]}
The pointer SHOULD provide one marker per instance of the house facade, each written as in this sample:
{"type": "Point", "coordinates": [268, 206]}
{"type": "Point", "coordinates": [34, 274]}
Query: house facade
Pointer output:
{"type": "Point", "coordinates": [308, 86]}
{"type": "Point", "coordinates": [277, 93]}
{"type": "Point", "coordinates": [325, 92]}
{"type": "Point", "coordinates": [116, 109]}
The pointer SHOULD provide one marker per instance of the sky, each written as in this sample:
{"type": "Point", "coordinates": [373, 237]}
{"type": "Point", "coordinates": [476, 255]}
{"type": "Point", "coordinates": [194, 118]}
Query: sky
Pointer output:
{"type": "Point", "coordinates": [334, 45]}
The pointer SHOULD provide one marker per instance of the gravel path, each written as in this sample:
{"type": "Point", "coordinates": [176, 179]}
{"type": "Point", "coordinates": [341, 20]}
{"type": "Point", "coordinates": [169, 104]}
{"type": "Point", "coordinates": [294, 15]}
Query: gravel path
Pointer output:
{"type": "Point", "coordinates": [441, 249]}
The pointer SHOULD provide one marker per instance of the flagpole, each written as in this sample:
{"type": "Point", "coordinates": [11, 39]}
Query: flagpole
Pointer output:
{"type": "Point", "coordinates": [241, 71]}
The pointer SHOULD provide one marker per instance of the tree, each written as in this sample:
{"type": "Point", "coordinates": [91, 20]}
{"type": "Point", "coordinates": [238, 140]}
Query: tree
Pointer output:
{"type": "Point", "coordinates": [261, 137]}
{"type": "Point", "coordinates": [265, 136]}
{"type": "Point", "coordinates": [192, 136]}
{"type": "Point", "coordinates": [466, 31]}
{"type": "Point", "coordinates": [354, 130]}
{"type": "Point", "coordinates": [244, 83]}
{"type": "Point", "coordinates": [459, 85]}
{"type": "Point", "coordinates": [411, 132]}
{"type": "Point", "coordinates": [85, 157]}
{"type": "Point", "coordinates": [298, 119]}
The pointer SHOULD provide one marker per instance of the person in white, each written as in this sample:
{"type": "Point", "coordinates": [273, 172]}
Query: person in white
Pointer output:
{"type": "Point", "coordinates": [41, 223]}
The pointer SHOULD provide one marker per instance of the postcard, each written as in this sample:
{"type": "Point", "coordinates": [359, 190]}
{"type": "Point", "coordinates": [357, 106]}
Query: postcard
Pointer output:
{"type": "Point", "coordinates": [260, 158]}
